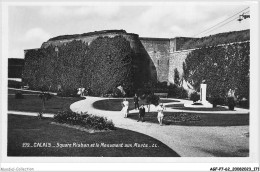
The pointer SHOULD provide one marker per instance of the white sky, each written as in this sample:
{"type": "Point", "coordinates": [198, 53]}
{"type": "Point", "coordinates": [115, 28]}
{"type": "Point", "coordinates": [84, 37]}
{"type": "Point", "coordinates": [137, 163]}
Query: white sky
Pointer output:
{"type": "Point", "coordinates": [30, 26]}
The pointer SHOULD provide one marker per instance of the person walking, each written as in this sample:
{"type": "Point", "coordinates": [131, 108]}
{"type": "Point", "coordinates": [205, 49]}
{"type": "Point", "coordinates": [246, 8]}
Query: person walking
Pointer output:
{"type": "Point", "coordinates": [125, 105]}
{"type": "Point", "coordinates": [136, 101]}
{"type": "Point", "coordinates": [141, 113]}
{"type": "Point", "coordinates": [82, 91]}
{"type": "Point", "coordinates": [160, 115]}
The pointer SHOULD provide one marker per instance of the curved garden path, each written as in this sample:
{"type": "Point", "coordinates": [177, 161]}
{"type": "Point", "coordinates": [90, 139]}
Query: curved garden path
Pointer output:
{"type": "Point", "coordinates": [187, 141]}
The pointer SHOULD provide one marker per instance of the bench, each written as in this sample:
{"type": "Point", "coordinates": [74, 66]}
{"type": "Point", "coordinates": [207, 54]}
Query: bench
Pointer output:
{"type": "Point", "coordinates": [161, 94]}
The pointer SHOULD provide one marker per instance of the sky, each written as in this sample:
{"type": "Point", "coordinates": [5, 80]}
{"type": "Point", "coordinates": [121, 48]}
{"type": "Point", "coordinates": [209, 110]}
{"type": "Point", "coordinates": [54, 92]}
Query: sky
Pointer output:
{"type": "Point", "coordinates": [30, 26]}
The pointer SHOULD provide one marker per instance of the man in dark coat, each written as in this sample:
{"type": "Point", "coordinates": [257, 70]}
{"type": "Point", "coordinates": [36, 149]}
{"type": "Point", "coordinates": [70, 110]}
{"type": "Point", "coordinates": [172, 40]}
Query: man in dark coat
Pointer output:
{"type": "Point", "coordinates": [141, 113]}
{"type": "Point", "coordinates": [136, 100]}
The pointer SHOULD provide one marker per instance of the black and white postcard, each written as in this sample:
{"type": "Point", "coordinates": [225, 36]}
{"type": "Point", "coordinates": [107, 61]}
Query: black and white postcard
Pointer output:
{"type": "Point", "coordinates": [130, 86]}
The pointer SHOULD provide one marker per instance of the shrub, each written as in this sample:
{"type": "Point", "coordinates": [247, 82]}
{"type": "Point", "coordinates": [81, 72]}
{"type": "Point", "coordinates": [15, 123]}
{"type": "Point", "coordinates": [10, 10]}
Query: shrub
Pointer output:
{"type": "Point", "coordinates": [243, 103]}
{"type": "Point", "coordinates": [68, 93]}
{"type": "Point", "coordinates": [152, 99]}
{"type": "Point", "coordinates": [217, 101]}
{"type": "Point", "coordinates": [221, 38]}
{"type": "Point", "coordinates": [162, 87]}
{"type": "Point", "coordinates": [100, 66]}
{"type": "Point", "coordinates": [194, 96]}
{"type": "Point", "coordinates": [222, 67]}
{"type": "Point", "coordinates": [115, 93]}
{"type": "Point", "coordinates": [19, 95]}
{"type": "Point", "coordinates": [231, 103]}
{"type": "Point", "coordinates": [84, 120]}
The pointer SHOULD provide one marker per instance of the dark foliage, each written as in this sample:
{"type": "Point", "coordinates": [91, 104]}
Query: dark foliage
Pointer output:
{"type": "Point", "coordinates": [217, 39]}
{"type": "Point", "coordinates": [85, 34]}
{"type": "Point", "coordinates": [84, 120]}
{"type": "Point", "coordinates": [194, 96]}
{"type": "Point", "coordinates": [217, 100]}
{"type": "Point", "coordinates": [222, 67]}
{"type": "Point", "coordinates": [176, 77]}
{"type": "Point", "coordinates": [68, 93]}
{"type": "Point", "coordinates": [162, 87]}
{"type": "Point", "coordinates": [152, 99]}
{"type": "Point", "coordinates": [109, 65]}
{"type": "Point", "coordinates": [231, 103]}
{"type": "Point", "coordinates": [101, 67]}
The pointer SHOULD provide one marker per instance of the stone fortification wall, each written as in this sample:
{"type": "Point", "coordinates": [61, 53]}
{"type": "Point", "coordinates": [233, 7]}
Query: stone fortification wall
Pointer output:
{"type": "Point", "coordinates": [176, 60]}
{"type": "Point", "coordinates": [88, 38]}
{"type": "Point", "coordinates": [142, 63]}
{"type": "Point", "coordinates": [158, 51]}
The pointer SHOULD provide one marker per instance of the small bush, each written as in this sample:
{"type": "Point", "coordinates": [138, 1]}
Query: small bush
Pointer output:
{"type": "Point", "coordinates": [217, 101]}
{"type": "Point", "coordinates": [231, 103]}
{"type": "Point", "coordinates": [194, 96]}
{"type": "Point", "coordinates": [19, 95]}
{"type": "Point", "coordinates": [243, 103]}
{"type": "Point", "coordinates": [153, 99]}
{"type": "Point", "coordinates": [68, 93]}
{"type": "Point", "coordinates": [84, 120]}
{"type": "Point", "coordinates": [173, 90]}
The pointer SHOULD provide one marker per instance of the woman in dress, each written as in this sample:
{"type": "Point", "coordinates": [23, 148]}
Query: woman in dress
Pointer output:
{"type": "Point", "coordinates": [125, 104]}
{"type": "Point", "coordinates": [160, 115]}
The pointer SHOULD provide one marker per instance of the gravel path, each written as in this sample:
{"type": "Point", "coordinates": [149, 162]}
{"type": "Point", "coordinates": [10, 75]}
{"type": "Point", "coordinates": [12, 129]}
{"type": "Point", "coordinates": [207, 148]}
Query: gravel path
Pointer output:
{"type": "Point", "coordinates": [187, 141]}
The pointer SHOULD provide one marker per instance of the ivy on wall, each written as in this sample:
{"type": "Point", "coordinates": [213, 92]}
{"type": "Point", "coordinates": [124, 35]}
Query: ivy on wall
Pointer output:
{"type": "Point", "coordinates": [110, 64]}
{"type": "Point", "coordinates": [221, 67]}
{"type": "Point", "coordinates": [102, 66]}
{"type": "Point", "coordinates": [217, 39]}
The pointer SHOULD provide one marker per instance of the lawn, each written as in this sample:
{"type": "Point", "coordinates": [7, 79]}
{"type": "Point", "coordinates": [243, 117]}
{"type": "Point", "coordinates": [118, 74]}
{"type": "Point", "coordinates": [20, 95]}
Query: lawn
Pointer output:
{"type": "Point", "coordinates": [181, 107]}
{"type": "Point", "coordinates": [32, 103]}
{"type": "Point", "coordinates": [27, 129]}
{"type": "Point", "coordinates": [206, 119]}
{"type": "Point", "coordinates": [115, 104]}
{"type": "Point", "coordinates": [11, 91]}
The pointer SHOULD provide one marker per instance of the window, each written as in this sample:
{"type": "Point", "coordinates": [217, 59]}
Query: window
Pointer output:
{"type": "Point", "coordinates": [158, 62]}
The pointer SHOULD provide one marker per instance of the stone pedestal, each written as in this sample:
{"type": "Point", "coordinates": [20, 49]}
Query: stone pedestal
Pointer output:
{"type": "Point", "coordinates": [203, 95]}
{"type": "Point", "coordinates": [203, 101]}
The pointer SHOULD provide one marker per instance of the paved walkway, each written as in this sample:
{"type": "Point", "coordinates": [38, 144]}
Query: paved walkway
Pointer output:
{"type": "Point", "coordinates": [187, 141]}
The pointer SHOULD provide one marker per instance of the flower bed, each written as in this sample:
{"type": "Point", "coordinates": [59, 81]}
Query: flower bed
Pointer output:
{"type": "Point", "coordinates": [85, 120]}
{"type": "Point", "coordinates": [184, 117]}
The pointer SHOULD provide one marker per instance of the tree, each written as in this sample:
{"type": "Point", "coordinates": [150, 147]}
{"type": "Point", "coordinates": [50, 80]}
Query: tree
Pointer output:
{"type": "Point", "coordinates": [176, 77]}
{"type": "Point", "coordinates": [152, 99]}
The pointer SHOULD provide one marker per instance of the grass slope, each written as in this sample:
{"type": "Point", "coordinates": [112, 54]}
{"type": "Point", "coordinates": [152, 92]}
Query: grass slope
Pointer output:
{"type": "Point", "coordinates": [32, 103]}
{"type": "Point", "coordinates": [26, 129]}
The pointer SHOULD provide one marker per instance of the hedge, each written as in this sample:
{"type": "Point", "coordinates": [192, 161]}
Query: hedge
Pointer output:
{"type": "Point", "coordinates": [222, 68]}
{"type": "Point", "coordinates": [217, 39]}
{"type": "Point", "coordinates": [100, 67]}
